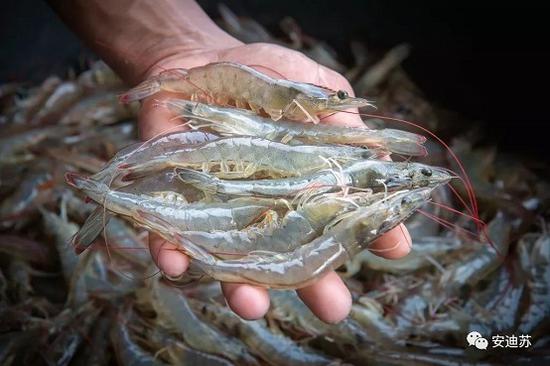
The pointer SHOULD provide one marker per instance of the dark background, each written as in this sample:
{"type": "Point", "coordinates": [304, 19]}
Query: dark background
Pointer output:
{"type": "Point", "coordinates": [489, 61]}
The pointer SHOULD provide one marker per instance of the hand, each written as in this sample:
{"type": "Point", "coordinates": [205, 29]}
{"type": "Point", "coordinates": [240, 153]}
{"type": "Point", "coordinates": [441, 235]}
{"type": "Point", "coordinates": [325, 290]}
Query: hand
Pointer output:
{"type": "Point", "coordinates": [328, 298]}
{"type": "Point", "coordinates": [142, 38]}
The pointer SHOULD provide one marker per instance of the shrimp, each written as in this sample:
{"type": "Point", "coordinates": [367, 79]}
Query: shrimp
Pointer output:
{"type": "Point", "coordinates": [227, 81]}
{"type": "Point", "coordinates": [62, 230]}
{"type": "Point", "coordinates": [370, 315]}
{"type": "Point", "coordinates": [172, 306]}
{"type": "Point", "coordinates": [298, 227]}
{"type": "Point", "coordinates": [28, 107]}
{"type": "Point", "coordinates": [145, 151]}
{"type": "Point", "coordinates": [127, 351]}
{"type": "Point", "coordinates": [308, 262]}
{"type": "Point", "coordinates": [478, 264]}
{"type": "Point", "coordinates": [17, 149]}
{"type": "Point", "coordinates": [147, 210]}
{"type": "Point", "coordinates": [422, 254]}
{"type": "Point", "coordinates": [275, 349]}
{"type": "Point", "coordinates": [539, 280]}
{"type": "Point", "coordinates": [62, 350]}
{"type": "Point", "coordinates": [374, 174]}
{"type": "Point", "coordinates": [289, 309]}
{"type": "Point", "coordinates": [249, 155]}
{"type": "Point", "coordinates": [152, 185]}
{"type": "Point", "coordinates": [99, 109]}
{"type": "Point", "coordinates": [233, 121]}
{"type": "Point", "coordinates": [99, 77]}
{"type": "Point", "coordinates": [246, 30]}
{"type": "Point", "coordinates": [63, 97]}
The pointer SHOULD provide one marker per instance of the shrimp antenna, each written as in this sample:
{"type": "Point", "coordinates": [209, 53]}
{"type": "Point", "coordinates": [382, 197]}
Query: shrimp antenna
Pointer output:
{"type": "Point", "coordinates": [466, 178]}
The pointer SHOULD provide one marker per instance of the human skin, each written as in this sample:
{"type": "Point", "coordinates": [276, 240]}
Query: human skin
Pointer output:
{"type": "Point", "coordinates": [139, 39]}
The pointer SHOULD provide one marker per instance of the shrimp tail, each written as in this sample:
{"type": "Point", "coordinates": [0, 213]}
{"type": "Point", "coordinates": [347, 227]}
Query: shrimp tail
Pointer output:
{"type": "Point", "coordinates": [141, 91]}
{"type": "Point", "coordinates": [403, 142]}
{"type": "Point", "coordinates": [90, 230]}
{"type": "Point", "coordinates": [190, 110]}
{"type": "Point", "coordinates": [205, 182]}
{"type": "Point", "coordinates": [152, 85]}
{"type": "Point", "coordinates": [96, 190]}
{"type": "Point", "coordinates": [406, 148]}
{"type": "Point", "coordinates": [186, 246]}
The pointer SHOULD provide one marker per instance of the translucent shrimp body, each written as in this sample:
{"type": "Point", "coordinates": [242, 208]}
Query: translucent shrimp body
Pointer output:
{"type": "Point", "coordinates": [246, 155]}
{"type": "Point", "coordinates": [234, 121]}
{"type": "Point", "coordinates": [374, 174]}
{"type": "Point", "coordinates": [151, 212]}
{"type": "Point", "coordinates": [244, 86]}
{"type": "Point", "coordinates": [298, 227]}
{"type": "Point", "coordinates": [308, 262]}
{"type": "Point", "coordinates": [145, 151]}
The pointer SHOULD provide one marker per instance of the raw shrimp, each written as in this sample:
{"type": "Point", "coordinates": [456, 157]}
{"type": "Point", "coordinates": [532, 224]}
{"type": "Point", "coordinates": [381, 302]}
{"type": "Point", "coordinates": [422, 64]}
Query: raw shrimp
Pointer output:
{"type": "Point", "coordinates": [289, 309]}
{"type": "Point", "coordinates": [248, 155]}
{"type": "Point", "coordinates": [62, 230]}
{"type": "Point", "coordinates": [147, 210]}
{"type": "Point", "coordinates": [307, 263]}
{"type": "Point", "coordinates": [478, 264]}
{"type": "Point", "coordinates": [163, 185]}
{"type": "Point", "coordinates": [100, 77]}
{"type": "Point", "coordinates": [127, 351]}
{"type": "Point", "coordinates": [422, 254]}
{"type": "Point", "coordinates": [539, 280]}
{"type": "Point", "coordinates": [147, 150]}
{"type": "Point", "coordinates": [370, 315]}
{"type": "Point", "coordinates": [275, 349]}
{"type": "Point", "coordinates": [298, 227]}
{"type": "Point", "coordinates": [16, 149]}
{"type": "Point", "coordinates": [244, 29]}
{"type": "Point", "coordinates": [63, 97]}
{"type": "Point", "coordinates": [20, 275]}
{"type": "Point", "coordinates": [27, 108]}
{"type": "Point", "coordinates": [172, 306]}
{"type": "Point", "coordinates": [495, 309]}
{"type": "Point", "coordinates": [227, 81]}
{"type": "Point", "coordinates": [380, 71]}
{"type": "Point", "coordinates": [65, 345]}
{"type": "Point", "coordinates": [99, 109]}
{"type": "Point", "coordinates": [374, 174]}
{"type": "Point", "coordinates": [233, 121]}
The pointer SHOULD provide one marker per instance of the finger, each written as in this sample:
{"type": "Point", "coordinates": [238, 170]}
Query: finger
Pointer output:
{"type": "Point", "coordinates": [394, 244]}
{"type": "Point", "coordinates": [249, 302]}
{"type": "Point", "coordinates": [166, 256]}
{"type": "Point", "coordinates": [155, 119]}
{"type": "Point", "coordinates": [328, 298]}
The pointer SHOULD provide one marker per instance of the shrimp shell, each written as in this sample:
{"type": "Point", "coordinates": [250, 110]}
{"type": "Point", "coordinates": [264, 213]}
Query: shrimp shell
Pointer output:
{"type": "Point", "coordinates": [234, 121]}
{"type": "Point", "coordinates": [245, 86]}
{"type": "Point", "coordinates": [249, 155]}
{"type": "Point", "coordinates": [308, 262]}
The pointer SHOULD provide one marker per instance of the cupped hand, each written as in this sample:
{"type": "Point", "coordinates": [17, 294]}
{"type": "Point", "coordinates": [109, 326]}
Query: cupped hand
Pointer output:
{"type": "Point", "coordinates": [328, 298]}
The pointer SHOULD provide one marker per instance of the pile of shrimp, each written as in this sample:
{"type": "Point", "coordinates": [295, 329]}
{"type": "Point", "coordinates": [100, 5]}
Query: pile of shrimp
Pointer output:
{"type": "Point", "coordinates": [256, 188]}
{"type": "Point", "coordinates": [267, 201]}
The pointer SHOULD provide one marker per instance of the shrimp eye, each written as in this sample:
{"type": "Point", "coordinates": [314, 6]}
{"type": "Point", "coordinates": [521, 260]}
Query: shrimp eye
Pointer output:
{"type": "Point", "coordinates": [406, 200]}
{"type": "Point", "coordinates": [426, 171]}
{"type": "Point", "coordinates": [342, 94]}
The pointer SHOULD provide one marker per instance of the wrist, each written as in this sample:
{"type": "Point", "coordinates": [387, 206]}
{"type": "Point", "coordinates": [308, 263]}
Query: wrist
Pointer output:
{"type": "Point", "coordinates": [134, 36]}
